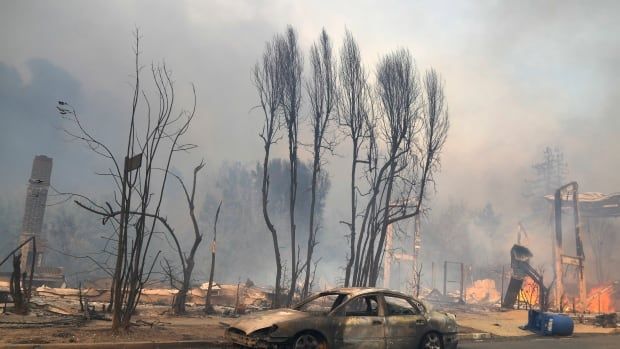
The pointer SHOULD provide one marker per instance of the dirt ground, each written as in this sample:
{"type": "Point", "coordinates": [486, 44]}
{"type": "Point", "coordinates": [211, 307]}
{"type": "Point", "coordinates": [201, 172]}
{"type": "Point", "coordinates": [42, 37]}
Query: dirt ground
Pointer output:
{"type": "Point", "coordinates": [150, 326]}
{"type": "Point", "coordinates": [153, 323]}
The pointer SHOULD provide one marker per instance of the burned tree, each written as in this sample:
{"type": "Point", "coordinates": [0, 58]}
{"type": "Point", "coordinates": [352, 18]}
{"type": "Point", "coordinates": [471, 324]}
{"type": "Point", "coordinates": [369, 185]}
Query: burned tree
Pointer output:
{"type": "Point", "coordinates": [20, 301]}
{"type": "Point", "coordinates": [139, 183]}
{"type": "Point", "coordinates": [403, 154]}
{"type": "Point", "coordinates": [291, 68]}
{"type": "Point", "coordinates": [208, 306]}
{"type": "Point", "coordinates": [353, 111]}
{"type": "Point", "coordinates": [20, 291]}
{"type": "Point", "coordinates": [187, 260]}
{"type": "Point", "coordinates": [267, 78]}
{"type": "Point", "coordinates": [322, 95]}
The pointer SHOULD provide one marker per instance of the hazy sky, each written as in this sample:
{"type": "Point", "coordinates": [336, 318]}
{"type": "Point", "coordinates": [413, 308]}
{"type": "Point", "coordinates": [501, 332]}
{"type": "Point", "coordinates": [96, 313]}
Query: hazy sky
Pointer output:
{"type": "Point", "coordinates": [520, 75]}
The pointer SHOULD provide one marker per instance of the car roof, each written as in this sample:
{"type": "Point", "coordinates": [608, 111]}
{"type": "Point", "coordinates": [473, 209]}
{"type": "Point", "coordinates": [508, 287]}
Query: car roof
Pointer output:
{"type": "Point", "coordinates": [356, 291]}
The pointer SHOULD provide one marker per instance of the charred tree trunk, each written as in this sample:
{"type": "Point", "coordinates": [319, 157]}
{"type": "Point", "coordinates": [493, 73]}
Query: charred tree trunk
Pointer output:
{"type": "Point", "coordinates": [188, 266]}
{"type": "Point", "coordinates": [20, 292]}
{"type": "Point", "coordinates": [178, 306]}
{"type": "Point", "coordinates": [15, 287]}
{"type": "Point", "coordinates": [293, 227]}
{"type": "Point", "coordinates": [272, 229]}
{"type": "Point", "coordinates": [353, 257]}
{"type": "Point", "coordinates": [208, 306]}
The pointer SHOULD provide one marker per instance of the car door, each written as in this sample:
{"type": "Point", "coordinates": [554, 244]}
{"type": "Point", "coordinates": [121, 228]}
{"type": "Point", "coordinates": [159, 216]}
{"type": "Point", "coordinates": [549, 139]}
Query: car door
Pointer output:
{"type": "Point", "coordinates": [360, 324]}
{"type": "Point", "coordinates": [404, 322]}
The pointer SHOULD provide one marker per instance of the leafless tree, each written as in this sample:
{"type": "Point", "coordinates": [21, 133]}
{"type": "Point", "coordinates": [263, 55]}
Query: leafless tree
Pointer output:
{"type": "Point", "coordinates": [187, 260]}
{"type": "Point", "coordinates": [267, 78]}
{"type": "Point", "coordinates": [170, 273]}
{"type": "Point", "coordinates": [135, 212]}
{"type": "Point", "coordinates": [403, 153]}
{"type": "Point", "coordinates": [291, 69]}
{"type": "Point", "coordinates": [353, 111]}
{"type": "Point", "coordinates": [322, 95]}
{"type": "Point", "coordinates": [208, 306]}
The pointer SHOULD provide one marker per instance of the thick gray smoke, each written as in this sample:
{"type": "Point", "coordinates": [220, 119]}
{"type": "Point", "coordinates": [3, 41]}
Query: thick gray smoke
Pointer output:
{"type": "Point", "coordinates": [520, 76]}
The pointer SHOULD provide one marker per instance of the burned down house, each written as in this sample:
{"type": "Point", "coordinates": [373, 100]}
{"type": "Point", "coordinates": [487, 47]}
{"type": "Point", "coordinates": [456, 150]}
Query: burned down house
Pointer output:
{"type": "Point", "coordinates": [584, 206]}
{"type": "Point", "coordinates": [32, 227]}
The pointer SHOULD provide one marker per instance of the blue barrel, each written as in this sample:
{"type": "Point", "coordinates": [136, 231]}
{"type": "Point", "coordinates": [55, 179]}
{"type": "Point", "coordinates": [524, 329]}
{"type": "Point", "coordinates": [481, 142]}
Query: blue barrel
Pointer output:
{"type": "Point", "coordinates": [558, 325]}
{"type": "Point", "coordinates": [550, 324]}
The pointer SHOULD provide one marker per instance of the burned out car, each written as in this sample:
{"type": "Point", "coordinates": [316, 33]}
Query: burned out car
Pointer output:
{"type": "Point", "coordinates": [348, 318]}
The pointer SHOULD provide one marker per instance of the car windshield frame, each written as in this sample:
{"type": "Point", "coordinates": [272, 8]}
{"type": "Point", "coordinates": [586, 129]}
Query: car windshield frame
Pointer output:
{"type": "Point", "coordinates": [341, 298]}
{"type": "Point", "coordinates": [338, 310]}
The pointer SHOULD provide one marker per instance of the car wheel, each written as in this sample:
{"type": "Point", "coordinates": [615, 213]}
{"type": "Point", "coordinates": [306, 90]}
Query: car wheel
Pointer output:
{"type": "Point", "coordinates": [309, 341]}
{"type": "Point", "coordinates": [431, 341]}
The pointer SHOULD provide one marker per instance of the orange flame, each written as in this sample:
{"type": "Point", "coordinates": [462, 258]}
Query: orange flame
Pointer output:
{"type": "Point", "coordinates": [482, 292]}
{"type": "Point", "coordinates": [600, 300]}
{"type": "Point", "coordinates": [529, 292]}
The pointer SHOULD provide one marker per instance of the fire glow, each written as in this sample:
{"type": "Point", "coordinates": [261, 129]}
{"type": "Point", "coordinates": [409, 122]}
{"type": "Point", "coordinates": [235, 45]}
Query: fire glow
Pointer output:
{"type": "Point", "coordinates": [529, 292]}
{"type": "Point", "coordinates": [600, 300]}
{"type": "Point", "coordinates": [482, 292]}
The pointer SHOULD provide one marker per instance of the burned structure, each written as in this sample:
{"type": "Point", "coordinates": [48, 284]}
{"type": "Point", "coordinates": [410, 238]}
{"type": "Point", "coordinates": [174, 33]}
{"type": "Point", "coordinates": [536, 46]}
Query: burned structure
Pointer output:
{"type": "Point", "coordinates": [559, 258]}
{"type": "Point", "coordinates": [34, 211]}
{"type": "Point", "coordinates": [520, 263]}
{"type": "Point", "coordinates": [584, 206]}
{"type": "Point", "coordinates": [32, 224]}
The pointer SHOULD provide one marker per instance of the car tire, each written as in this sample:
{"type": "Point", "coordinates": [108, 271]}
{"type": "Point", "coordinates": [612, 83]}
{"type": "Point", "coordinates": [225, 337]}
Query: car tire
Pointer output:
{"type": "Point", "coordinates": [309, 340]}
{"type": "Point", "coordinates": [431, 340]}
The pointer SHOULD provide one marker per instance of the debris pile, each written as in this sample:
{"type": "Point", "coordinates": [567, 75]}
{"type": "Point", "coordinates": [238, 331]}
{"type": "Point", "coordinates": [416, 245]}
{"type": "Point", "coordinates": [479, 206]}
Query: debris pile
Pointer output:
{"type": "Point", "coordinates": [71, 301]}
{"type": "Point", "coordinates": [607, 320]}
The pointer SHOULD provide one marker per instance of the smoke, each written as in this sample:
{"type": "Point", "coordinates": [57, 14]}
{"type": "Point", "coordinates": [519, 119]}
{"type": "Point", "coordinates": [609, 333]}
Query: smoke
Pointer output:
{"type": "Point", "coordinates": [520, 76]}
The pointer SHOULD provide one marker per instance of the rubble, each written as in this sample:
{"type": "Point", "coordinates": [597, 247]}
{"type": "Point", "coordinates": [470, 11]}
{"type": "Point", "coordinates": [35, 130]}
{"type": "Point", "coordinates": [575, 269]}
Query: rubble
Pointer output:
{"type": "Point", "coordinates": [225, 298]}
{"type": "Point", "coordinates": [607, 320]}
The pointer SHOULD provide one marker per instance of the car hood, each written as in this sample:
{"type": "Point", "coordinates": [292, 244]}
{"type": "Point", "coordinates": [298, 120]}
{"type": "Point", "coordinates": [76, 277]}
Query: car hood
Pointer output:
{"type": "Point", "coordinates": [264, 319]}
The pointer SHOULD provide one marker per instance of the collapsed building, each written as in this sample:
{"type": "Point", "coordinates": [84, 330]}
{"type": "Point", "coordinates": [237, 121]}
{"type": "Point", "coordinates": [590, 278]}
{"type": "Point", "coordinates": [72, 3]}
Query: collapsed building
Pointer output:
{"type": "Point", "coordinates": [584, 206]}
{"type": "Point", "coordinates": [568, 288]}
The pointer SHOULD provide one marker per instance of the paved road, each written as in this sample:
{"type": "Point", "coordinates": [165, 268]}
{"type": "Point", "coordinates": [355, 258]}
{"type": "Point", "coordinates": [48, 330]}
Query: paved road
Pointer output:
{"type": "Point", "coordinates": [603, 342]}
